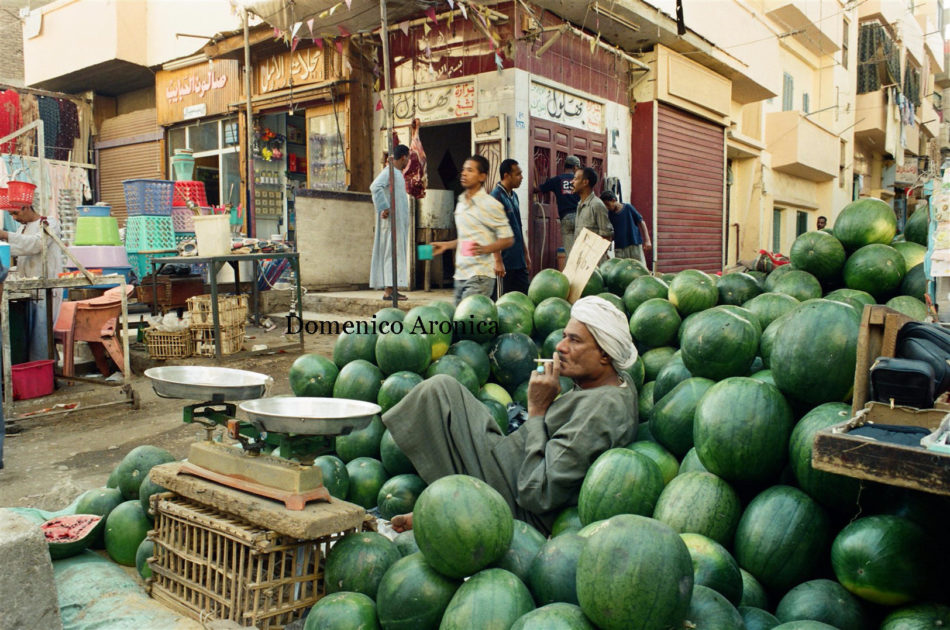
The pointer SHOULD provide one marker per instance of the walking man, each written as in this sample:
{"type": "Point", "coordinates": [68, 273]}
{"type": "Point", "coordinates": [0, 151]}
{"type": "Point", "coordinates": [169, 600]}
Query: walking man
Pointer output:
{"type": "Point", "coordinates": [483, 233]}
{"type": "Point", "coordinates": [566, 197]}
{"type": "Point", "coordinates": [591, 211]}
{"type": "Point", "coordinates": [516, 258]}
{"type": "Point", "coordinates": [631, 237]}
{"type": "Point", "coordinates": [381, 269]}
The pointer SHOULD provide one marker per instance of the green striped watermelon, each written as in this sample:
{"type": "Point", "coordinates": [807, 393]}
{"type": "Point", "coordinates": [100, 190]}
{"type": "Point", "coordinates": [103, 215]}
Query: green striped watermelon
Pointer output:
{"type": "Point", "coordinates": [559, 616]}
{"type": "Point", "coordinates": [757, 619]}
{"type": "Point", "coordinates": [493, 598]}
{"type": "Point", "coordinates": [692, 291]}
{"type": "Point", "coordinates": [357, 563]}
{"type": "Point", "coordinates": [476, 357]}
{"type": "Point", "coordinates": [737, 288]}
{"type": "Point", "coordinates": [818, 253]}
{"type": "Point", "coordinates": [718, 343]}
{"type": "Point", "coordinates": [642, 289]}
{"type": "Point", "coordinates": [877, 269]}
{"type": "Point", "coordinates": [552, 576]}
{"type": "Point", "coordinates": [825, 601]}
{"type": "Point", "coordinates": [395, 388]}
{"type": "Point", "coordinates": [918, 617]}
{"type": "Point", "coordinates": [835, 492]}
{"type": "Point", "coordinates": [342, 611]}
{"type": "Point", "coordinates": [770, 306]}
{"type": "Point", "coordinates": [917, 226]}
{"type": "Point", "coordinates": [399, 494]}
{"type": "Point", "coordinates": [865, 221]}
{"type": "Point", "coordinates": [711, 611]}
{"type": "Point", "coordinates": [526, 541]}
{"type": "Point", "coordinates": [714, 567]}
{"type": "Point", "coordinates": [801, 285]}
{"type": "Point", "coordinates": [753, 593]}
{"type": "Point", "coordinates": [664, 460]}
{"type": "Point", "coordinates": [412, 595]}
{"type": "Point", "coordinates": [655, 323]}
{"type": "Point", "coordinates": [671, 420]}
{"type": "Point", "coordinates": [701, 503]}
{"type": "Point", "coordinates": [620, 481]}
{"type": "Point", "coordinates": [548, 283]}
{"type": "Point", "coordinates": [672, 374]}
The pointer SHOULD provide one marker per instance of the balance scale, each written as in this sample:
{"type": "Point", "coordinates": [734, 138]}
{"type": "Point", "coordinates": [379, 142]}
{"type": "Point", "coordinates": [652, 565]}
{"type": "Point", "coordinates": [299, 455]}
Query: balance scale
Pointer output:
{"type": "Point", "coordinates": [296, 425]}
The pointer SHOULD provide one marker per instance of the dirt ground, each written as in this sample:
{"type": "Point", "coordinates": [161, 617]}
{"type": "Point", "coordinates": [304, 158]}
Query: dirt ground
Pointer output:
{"type": "Point", "coordinates": [53, 459]}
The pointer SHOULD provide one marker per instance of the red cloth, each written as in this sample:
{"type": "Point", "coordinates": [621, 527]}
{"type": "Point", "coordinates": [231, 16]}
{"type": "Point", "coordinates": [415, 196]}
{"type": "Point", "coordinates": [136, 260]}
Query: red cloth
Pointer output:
{"type": "Point", "coordinates": [10, 118]}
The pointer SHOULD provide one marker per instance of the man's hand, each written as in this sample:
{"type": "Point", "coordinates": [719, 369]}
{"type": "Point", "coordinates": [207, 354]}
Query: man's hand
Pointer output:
{"type": "Point", "coordinates": [647, 247]}
{"type": "Point", "coordinates": [499, 267]}
{"type": "Point", "coordinates": [543, 388]}
{"type": "Point", "coordinates": [384, 214]}
{"type": "Point", "coordinates": [439, 247]}
{"type": "Point", "coordinates": [402, 523]}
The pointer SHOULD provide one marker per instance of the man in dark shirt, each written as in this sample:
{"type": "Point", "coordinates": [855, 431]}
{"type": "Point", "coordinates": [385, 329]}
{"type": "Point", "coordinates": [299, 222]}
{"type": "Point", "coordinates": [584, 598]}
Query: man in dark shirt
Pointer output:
{"type": "Point", "coordinates": [563, 189]}
{"type": "Point", "coordinates": [631, 237]}
{"type": "Point", "coordinates": [516, 258]}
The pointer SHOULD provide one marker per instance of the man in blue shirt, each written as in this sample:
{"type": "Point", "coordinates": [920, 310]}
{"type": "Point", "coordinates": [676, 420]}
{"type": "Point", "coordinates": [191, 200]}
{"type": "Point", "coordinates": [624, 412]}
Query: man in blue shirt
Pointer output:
{"type": "Point", "coordinates": [516, 258]}
{"type": "Point", "coordinates": [631, 236]}
{"type": "Point", "coordinates": [563, 188]}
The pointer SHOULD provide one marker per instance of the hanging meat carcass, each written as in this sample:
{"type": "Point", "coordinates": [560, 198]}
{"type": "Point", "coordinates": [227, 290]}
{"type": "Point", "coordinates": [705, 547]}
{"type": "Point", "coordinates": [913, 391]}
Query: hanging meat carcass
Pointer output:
{"type": "Point", "coordinates": [415, 171]}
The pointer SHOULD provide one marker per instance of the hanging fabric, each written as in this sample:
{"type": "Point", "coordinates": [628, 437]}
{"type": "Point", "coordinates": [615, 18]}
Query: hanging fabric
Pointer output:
{"type": "Point", "coordinates": [68, 129]}
{"type": "Point", "coordinates": [49, 113]}
{"type": "Point", "coordinates": [10, 118]}
{"type": "Point", "coordinates": [29, 112]}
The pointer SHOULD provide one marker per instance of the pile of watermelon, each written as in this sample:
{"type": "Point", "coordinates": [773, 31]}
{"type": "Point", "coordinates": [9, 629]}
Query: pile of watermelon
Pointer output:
{"type": "Point", "coordinates": [714, 517]}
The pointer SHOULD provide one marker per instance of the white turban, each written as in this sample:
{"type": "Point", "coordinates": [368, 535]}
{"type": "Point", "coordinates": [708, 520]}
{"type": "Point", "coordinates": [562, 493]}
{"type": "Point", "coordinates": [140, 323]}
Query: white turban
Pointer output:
{"type": "Point", "coordinates": [608, 327]}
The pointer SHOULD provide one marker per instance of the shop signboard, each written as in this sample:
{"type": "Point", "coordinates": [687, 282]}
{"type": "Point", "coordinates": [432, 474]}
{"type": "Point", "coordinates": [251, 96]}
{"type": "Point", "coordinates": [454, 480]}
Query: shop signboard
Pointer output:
{"type": "Point", "coordinates": [558, 106]}
{"type": "Point", "coordinates": [906, 174]}
{"type": "Point", "coordinates": [304, 65]}
{"type": "Point", "coordinates": [431, 104]}
{"type": "Point", "coordinates": [179, 94]}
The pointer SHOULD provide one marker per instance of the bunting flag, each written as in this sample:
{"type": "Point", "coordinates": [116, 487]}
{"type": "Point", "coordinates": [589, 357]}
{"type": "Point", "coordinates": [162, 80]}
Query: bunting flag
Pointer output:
{"type": "Point", "coordinates": [404, 27]}
{"type": "Point", "coordinates": [293, 44]}
{"type": "Point", "coordinates": [310, 26]}
{"type": "Point", "coordinates": [319, 42]}
{"type": "Point", "coordinates": [451, 4]}
{"type": "Point", "coordinates": [379, 104]}
{"type": "Point", "coordinates": [426, 29]}
{"type": "Point", "coordinates": [347, 65]}
{"type": "Point", "coordinates": [462, 9]}
{"type": "Point", "coordinates": [339, 46]}
{"type": "Point", "coordinates": [428, 51]}
{"type": "Point", "coordinates": [593, 43]}
{"type": "Point", "coordinates": [499, 63]}
{"type": "Point", "coordinates": [343, 31]}
{"type": "Point", "coordinates": [295, 28]}
{"type": "Point", "coordinates": [430, 13]}
{"type": "Point", "coordinates": [376, 85]}
{"type": "Point", "coordinates": [348, 4]}
{"type": "Point", "coordinates": [276, 33]}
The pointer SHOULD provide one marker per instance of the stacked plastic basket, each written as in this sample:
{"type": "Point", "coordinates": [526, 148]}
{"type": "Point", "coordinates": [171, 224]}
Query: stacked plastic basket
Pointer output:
{"type": "Point", "coordinates": [149, 232]}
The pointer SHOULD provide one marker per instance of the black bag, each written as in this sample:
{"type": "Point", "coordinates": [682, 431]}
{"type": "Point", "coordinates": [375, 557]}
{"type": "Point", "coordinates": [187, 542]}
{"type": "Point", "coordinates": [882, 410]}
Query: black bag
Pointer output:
{"type": "Point", "coordinates": [930, 343]}
{"type": "Point", "coordinates": [906, 382]}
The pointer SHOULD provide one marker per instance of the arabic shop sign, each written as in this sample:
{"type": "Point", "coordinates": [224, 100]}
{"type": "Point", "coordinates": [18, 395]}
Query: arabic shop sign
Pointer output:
{"type": "Point", "coordinates": [181, 93]}
{"type": "Point", "coordinates": [304, 66]}
{"type": "Point", "coordinates": [432, 104]}
{"type": "Point", "coordinates": [567, 109]}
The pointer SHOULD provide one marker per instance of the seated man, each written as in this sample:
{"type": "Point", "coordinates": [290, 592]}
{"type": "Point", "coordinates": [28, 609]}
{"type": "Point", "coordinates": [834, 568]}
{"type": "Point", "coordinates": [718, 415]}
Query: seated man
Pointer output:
{"type": "Point", "coordinates": [539, 468]}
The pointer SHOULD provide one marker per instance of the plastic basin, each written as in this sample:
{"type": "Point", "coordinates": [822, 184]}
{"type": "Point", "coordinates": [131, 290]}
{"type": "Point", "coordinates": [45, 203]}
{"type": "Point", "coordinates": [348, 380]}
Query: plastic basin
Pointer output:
{"type": "Point", "coordinates": [100, 255]}
{"type": "Point", "coordinates": [97, 231]}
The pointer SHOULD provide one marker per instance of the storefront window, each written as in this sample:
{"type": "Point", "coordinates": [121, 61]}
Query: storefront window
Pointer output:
{"type": "Point", "coordinates": [216, 157]}
{"type": "Point", "coordinates": [204, 137]}
{"type": "Point", "coordinates": [231, 178]}
{"type": "Point", "coordinates": [326, 153]}
{"type": "Point", "coordinates": [176, 139]}
{"type": "Point", "coordinates": [231, 137]}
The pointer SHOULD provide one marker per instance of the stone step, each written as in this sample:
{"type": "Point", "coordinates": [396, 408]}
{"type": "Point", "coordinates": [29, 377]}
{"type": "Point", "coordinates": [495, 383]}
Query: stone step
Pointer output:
{"type": "Point", "coordinates": [367, 303]}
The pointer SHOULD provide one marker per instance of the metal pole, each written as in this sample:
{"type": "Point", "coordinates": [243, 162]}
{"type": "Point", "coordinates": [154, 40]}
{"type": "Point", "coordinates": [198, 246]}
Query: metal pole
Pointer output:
{"type": "Point", "coordinates": [249, 189]}
{"type": "Point", "coordinates": [390, 123]}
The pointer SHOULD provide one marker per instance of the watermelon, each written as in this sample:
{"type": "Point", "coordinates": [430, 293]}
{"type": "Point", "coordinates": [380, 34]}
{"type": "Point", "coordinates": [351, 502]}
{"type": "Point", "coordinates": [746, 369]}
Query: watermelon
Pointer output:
{"type": "Point", "coordinates": [637, 372]}
{"type": "Point", "coordinates": [918, 617]}
{"type": "Point", "coordinates": [101, 502]}
{"type": "Point", "coordinates": [818, 253]}
{"type": "Point", "coordinates": [512, 358]}
{"type": "Point", "coordinates": [865, 221]}
{"type": "Point", "coordinates": [876, 269]}
{"type": "Point", "coordinates": [548, 283]}
{"type": "Point", "coordinates": [549, 347]}
{"type": "Point", "coordinates": [650, 576]}
{"type": "Point", "coordinates": [567, 520]}
{"type": "Point", "coordinates": [514, 318]}
{"type": "Point", "coordinates": [623, 273]}
{"type": "Point", "coordinates": [645, 402]}
{"type": "Point", "coordinates": [493, 598]}
{"type": "Point", "coordinates": [126, 528]}
{"type": "Point", "coordinates": [447, 308]}
{"type": "Point", "coordinates": [412, 595]}
{"type": "Point", "coordinates": [526, 542]}
{"type": "Point", "coordinates": [711, 611]}
{"type": "Point", "coordinates": [388, 315]}
{"type": "Point", "coordinates": [714, 567]}
{"type": "Point", "coordinates": [430, 322]}
{"type": "Point", "coordinates": [804, 625]}
{"type": "Point", "coordinates": [457, 368]}
{"type": "Point", "coordinates": [406, 544]}
{"type": "Point", "coordinates": [494, 391]}
{"type": "Point", "coordinates": [607, 265]}
{"type": "Point", "coordinates": [741, 430]}
{"type": "Point", "coordinates": [550, 315]}
{"type": "Point", "coordinates": [664, 460]}
{"type": "Point", "coordinates": [884, 559]}
{"type": "Point", "coordinates": [313, 375]}
{"type": "Point", "coordinates": [462, 525]}
{"type": "Point", "coordinates": [361, 442]}
{"type": "Point", "coordinates": [476, 318]}
{"type": "Point", "coordinates": [763, 375]}
{"type": "Point", "coordinates": [393, 459]}
{"type": "Point", "coordinates": [594, 285]}
{"type": "Point", "coordinates": [518, 298]}
{"type": "Point", "coordinates": [737, 288]}
{"type": "Point", "coordinates": [910, 306]}
{"type": "Point", "coordinates": [768, 307]}
{"type": "Point", "coordinates": [816, 350]}
{"type": "Point", "coordinates": [825, 601]}
{"type": "Point", "coordinates": [342, 611]}
{"type": "Point", "coordinates": [146, 490]}
{"type": "Point", "coordinates": [691, 463]}
{"type": "Point", "coordinates": [775, 275]}
{"type": "Point", "coordinates": [862, 298]}
{"type": "Point", "coordinates": [358, 380]}
{"type": "Point", "coordinates": [654, 360]}
{"type": "Point", "coordinates": [70, 534]}
{"type": "Point", "coordinates": [336, 478]}
{"type": "Point", "coordinates": [917, 226]}
{"type": "Point", "coordinates": [753, 593]}
{"type": "Point", "coordinates": [352, 346]}
{"type": "Point", "coordinates": [718, 343]}
{"type": "Point", "coordinates": [367, 476]}
{"type": "Point", "coordinates": [398, 495]}
{"type": "Point", "coordinates": [700, 503]}
{"type": "Point", "coordinates": [476, 357]}
{"type": "Point", "coordinates": [671, 420]}
{"type": "Point", "coordinates": [801, 285]}
{"type": "Point", "coordinates": [642, 289]}
{"type": "Point", "coordinates": [145, 551]}
{"type": "Point", "coordinates": [654, 324]}
{"type": "Point", "coordinates": [692, 291]}
{"type": "Point", "coordinates": [552, 576]}
{"type": "Point", "coordinates": [757, 618]}
{"type": "Point", "coordinates": [912, 253]}
{"type": "Point", "coordinates": [616, 301]}
{"type": "Point", "coordinates": [833, 491]}
{"type": "Point", "coordinates": [620, 481]}
{"type": "Point", "coordinates": [558, 616]}
{"type": "Point", "coordinates": [135, 466]}
{"type": "Point", "coordinates": [782, 537]}
{"type": "Point", "coordinates": [520, 394]}
{"type": "Point", "coordinates": [357, 563]}
{"type": "Point", "coordinates": [395, 388]}
{"type": "Point", "coordinates": [914, 283]}
{"type": "Point", "coordinates": [403, 351]}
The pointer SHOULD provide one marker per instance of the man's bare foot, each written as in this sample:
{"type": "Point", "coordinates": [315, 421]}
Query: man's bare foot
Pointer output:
{"type": "Point", "coordinates": [402, 523]}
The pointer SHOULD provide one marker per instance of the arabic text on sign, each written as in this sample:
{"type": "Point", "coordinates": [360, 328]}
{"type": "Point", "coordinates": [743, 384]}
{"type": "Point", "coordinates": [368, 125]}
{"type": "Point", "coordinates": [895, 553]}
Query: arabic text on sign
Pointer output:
{"type": "Point", "coordinates": [437, 103]}
{"type": "Point", "coordinates": [198, 84]}
{"type": "Point", "coordinates": [557, 106]}
{"type": "Point", "coordinates": [305, 66]}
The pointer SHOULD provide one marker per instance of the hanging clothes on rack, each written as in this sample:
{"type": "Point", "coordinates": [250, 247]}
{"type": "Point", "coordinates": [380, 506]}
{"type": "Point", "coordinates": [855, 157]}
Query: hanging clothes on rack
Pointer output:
{"type": "Point", "coordinates": [68, 129]}
{"type": "Point", "coordinates": [29, 112]}
{"type": "Point", "coordinates": [10, 118]}
{"type": "Point", "coordinates": [49, 113]}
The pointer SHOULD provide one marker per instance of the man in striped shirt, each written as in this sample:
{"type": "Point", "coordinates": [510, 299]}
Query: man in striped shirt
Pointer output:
{"type": "Point", "coordinates": [483, 233]}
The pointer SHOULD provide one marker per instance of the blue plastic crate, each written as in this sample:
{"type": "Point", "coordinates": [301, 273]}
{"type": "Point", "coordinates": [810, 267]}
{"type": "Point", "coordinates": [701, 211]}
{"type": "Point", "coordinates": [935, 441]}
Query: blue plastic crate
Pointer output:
{"type": "Point", "coordinates": [148, 197]}
{"type": "Point", "coordinates": [145, 233]}
{"type": "Point", "coordinates": [141, 263]}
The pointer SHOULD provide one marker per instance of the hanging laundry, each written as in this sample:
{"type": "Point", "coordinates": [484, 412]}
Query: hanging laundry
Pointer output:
{"type": "Point", "coordinates": [49, 114]}
{"type": "Point", "coordinates": [68, 129]}
{"type": "Point", "coordinates": [29, 112]}
{"type": "Point", "coordinates": [415, 171]}
{"type": "Point", "coordinates": [10, 118]}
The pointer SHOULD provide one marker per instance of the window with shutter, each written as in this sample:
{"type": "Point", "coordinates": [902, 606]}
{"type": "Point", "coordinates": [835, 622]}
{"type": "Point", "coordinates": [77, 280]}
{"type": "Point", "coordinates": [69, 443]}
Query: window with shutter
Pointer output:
{"type": "Point", "coordinates": [788, 92]}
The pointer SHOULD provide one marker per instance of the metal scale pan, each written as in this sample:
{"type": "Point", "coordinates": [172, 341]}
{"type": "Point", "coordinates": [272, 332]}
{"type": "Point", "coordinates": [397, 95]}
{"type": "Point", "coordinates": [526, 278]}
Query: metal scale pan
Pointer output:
{"type": "Point", "coordinates": [309, 416]}
{"type": "Point", "coordinates": [217, 384]}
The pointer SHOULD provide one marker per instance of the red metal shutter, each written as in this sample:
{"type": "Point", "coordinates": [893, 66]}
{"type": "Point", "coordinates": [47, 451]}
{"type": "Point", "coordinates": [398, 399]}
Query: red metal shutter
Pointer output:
{"type": "Point", "coordinates": [690, 165]}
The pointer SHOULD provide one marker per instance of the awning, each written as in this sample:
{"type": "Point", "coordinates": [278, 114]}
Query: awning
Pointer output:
{"type": "Point", "coordinates": [330, 15]}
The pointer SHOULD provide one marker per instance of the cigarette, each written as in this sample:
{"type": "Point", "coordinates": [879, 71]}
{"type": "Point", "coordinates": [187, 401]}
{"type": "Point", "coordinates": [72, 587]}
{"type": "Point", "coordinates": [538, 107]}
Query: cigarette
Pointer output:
{"type": "Point", "coordinates": [541, 363]}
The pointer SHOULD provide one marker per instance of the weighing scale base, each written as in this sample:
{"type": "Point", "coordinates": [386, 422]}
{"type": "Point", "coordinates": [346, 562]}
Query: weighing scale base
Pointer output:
{"type": "Point", "coordinates": [292, 500]}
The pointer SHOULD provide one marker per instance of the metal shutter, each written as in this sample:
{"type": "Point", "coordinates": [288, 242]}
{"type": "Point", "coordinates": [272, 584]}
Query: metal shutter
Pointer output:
{"type": "Point", "coordinates": [690, 172]}
{"type": "Point", "coordinates": [129, 147]}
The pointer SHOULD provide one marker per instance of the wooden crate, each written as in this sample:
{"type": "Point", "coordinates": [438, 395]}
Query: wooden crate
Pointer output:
{"type": "Point", "coordinates": [232, 339]}
{"type": "Point", "coordinates": [168, 345]}
{"type": "Point", "coordinates": [836, 451]}
{"type": "Point", "coordinates": [877, 338]}
{"type": "Point", "coordinates": [213, 566]}
{"type": "Point", "coordinates": [173, 291]}
{"type": "Point", "coordinates": [232, 311]}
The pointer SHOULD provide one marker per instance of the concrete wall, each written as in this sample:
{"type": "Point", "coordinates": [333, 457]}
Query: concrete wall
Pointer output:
{"type": "Point", "coordinates": [11, 60]}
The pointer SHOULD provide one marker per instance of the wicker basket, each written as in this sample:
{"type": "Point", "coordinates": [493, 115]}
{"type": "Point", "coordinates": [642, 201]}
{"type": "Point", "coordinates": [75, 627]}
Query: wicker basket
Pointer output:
{"type": "Point", "coordinates": [232, 311]}
{"type": "Point", "coordinates": [168, 345]}
{"type": "Point", "coordinates": [211, 565]}
{"type": "Point", "coordinates": [232, 340]}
